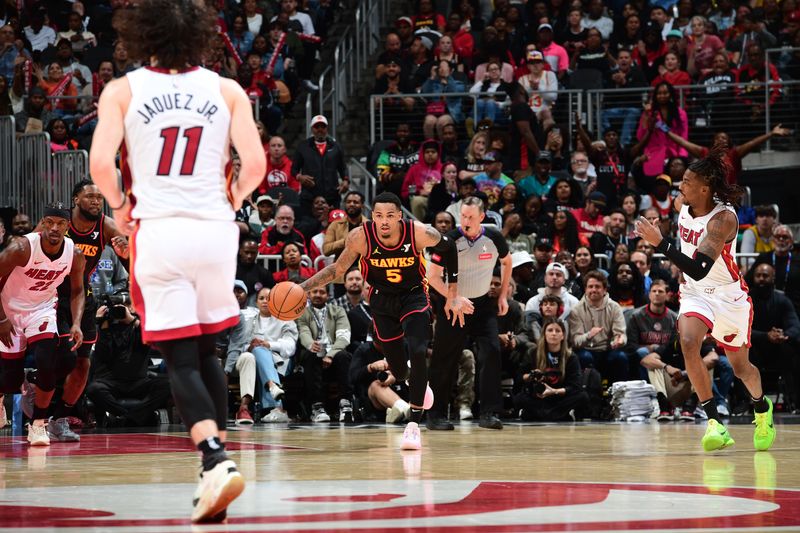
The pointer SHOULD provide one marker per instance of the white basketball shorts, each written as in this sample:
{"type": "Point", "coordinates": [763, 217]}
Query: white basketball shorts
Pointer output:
{"type": "Point", "coordinates": [182, 274]}
{"type": "Point", "coordinates": [727, 311]}
{"type": "Point", "coordinates": [30, 327]}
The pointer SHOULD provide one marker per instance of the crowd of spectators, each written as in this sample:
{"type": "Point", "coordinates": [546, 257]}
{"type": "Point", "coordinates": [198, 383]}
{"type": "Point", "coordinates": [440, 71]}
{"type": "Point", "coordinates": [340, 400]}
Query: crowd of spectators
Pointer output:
{"type": "Point", "coordinates": [591, 303]}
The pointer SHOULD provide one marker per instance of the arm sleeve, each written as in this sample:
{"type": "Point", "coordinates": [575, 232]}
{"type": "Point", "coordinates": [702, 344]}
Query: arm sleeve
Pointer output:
{"type": "Point", "coordinates": [445, 254]}
{"type": "Point", "coordinates": [696, 268]}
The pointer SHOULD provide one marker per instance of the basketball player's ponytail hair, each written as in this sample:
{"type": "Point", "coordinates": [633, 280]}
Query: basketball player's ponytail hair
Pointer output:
{"type": "Point", "coordinates": [714, 169]}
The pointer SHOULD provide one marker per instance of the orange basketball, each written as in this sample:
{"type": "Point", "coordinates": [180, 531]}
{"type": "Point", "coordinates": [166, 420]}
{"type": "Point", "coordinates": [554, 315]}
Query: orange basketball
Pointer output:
{"type": "Point", "coordinates": [287, 300]}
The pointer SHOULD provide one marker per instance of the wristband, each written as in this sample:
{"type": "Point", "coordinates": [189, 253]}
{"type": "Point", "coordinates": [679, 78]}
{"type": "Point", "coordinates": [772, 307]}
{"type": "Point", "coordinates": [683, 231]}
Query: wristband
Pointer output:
{"type": "Point", "coordinates": [124, 201]}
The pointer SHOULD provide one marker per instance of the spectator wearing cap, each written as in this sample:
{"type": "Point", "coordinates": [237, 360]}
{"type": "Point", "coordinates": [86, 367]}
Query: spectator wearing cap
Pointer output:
{"type": "Point", "coordinates": [338, 229]}
{"type": "Point", "coordinates": [660, 198]}
{"type": "Point", "coordinates": [441, 110]}
{"type": "Point", "coordinates": [319, 165]}
{"type": "Point", "coordinates": [590, 216]}
{"type": "Point", "coordinates": [613, 234]}
{"type": "Point", "coordinates": [81, 75]}
{"type": "Point", "coordinates": [541, 86]}
{"type": "Point", "coordinates": [405, 30]}
{"type": "Point", "coordinates": [623, 105]}
{"type": "Point", "coordinates": [463, 42]}
{"type": "Point", "coordinates": [421, 178]}
{"type": "Point", "coordinates": [554, 54]}
{"type": "Point", "coordinates": [522, 274]}
{"type": "Point", "coordinates": [420, 65]}
{"type": "Point", "coordinates": [542, 180]}
{"type": "Point", "coordinates": [597, 329]}
{"type": "Point", "coordinates": [555, 278]}
{"type": "Point", "coordinates": [262, 217]}
{"type": "Point", "coordinates": [395, 160]}
{"type": "Point", "coordinates": [542, 255]}
{"type": "Point", "coordinates": [492, 180]}
{"type": "Point", "coordinates": [251, 272]}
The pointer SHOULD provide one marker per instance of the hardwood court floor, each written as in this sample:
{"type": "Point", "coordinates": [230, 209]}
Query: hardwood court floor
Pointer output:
{"type": "Point", "coordinates": [584, 477]}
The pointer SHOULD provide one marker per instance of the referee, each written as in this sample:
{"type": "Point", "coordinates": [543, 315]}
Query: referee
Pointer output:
{"type": "Point", "coordinates": [478, 251]}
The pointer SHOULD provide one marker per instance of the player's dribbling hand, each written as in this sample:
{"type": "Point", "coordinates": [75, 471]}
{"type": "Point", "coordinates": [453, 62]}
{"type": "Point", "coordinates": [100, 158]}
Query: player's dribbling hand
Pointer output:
{"type": "Point", "coordinates": [76, 335]}
{"type": "Point", "coordinates": [6, 331]}
{"type": "Point", "coordinates": [648, 231]}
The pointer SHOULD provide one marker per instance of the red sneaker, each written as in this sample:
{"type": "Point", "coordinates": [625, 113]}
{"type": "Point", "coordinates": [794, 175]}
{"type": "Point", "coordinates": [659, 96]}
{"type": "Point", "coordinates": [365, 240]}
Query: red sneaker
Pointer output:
{"type": "Point", "coordinates": [243, 417]}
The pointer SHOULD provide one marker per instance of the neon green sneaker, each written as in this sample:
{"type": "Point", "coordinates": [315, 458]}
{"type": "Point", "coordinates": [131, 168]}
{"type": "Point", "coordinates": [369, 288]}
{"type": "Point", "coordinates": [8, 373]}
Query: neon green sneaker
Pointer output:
{"type": "Point", "coordinates": [764, 435]}
{"type": "Point", "coordinates": [716, 437]}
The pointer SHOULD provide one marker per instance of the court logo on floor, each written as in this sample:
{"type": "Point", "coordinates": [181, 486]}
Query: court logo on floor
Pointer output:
{"type": "Point", "coordinates": [352, 505]}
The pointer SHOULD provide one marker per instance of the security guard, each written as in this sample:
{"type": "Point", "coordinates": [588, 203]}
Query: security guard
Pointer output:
{"type": "Point", "coordinates": [478, 251]}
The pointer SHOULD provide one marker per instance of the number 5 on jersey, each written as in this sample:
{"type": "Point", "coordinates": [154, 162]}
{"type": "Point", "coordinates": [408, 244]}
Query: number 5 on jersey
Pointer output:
{"type": "Point", "coordinates": [170, 136]}
{"type": "Point", "coordinates": [393, 275]}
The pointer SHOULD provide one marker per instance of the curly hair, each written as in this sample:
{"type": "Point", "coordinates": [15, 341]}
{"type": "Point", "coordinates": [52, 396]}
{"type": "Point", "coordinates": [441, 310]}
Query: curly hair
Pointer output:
{"type": "Point", "coordinates": [714, 169]}
{"type": "Point", "coordinates": [177, 32]}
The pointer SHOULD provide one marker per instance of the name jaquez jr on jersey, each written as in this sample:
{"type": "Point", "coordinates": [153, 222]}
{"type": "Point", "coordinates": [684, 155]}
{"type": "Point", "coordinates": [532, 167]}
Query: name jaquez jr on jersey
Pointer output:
{"type": "Point", "coordinates": [177, 101]}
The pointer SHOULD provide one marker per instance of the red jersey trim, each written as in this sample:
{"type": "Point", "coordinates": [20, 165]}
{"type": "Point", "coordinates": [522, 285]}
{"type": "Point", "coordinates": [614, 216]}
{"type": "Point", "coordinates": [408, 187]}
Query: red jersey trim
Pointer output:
{"type": "Point", "coordinates": [399, 244]}
{"type": "Point", "coordinates": [704, 319]}
{"type": "Point", "coordinates": [192, 330]}
{"type": "Point", "coordinates": [41, 337]}
{"type": "Point", "coordinates": [12, 355]}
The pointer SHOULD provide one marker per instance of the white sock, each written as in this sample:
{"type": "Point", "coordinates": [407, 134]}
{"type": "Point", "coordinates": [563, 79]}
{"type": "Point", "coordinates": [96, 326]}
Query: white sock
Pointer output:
{"type": "Point", "coordinates": [402, 406]}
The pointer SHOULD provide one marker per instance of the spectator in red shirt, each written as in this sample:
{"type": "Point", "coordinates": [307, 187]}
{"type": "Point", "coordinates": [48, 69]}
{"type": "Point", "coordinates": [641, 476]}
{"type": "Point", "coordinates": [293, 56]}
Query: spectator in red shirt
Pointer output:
{"type": "Point", "coordinates": [294, 271]}
{"type": "Point", "coordinates": [463, 42]}
{"type": "Point", "coordinates": [650, 51]}
{"type": "Point", "coordinates": [590, 216]}
{"type": "Point", "coordinates": [671, 72]}
{"type": "Point", "coordinates": [702, 48]}
{"type": "Point", "coordinates": [279, 168]}
{"type": "Point", "coordinates": [276, 237]}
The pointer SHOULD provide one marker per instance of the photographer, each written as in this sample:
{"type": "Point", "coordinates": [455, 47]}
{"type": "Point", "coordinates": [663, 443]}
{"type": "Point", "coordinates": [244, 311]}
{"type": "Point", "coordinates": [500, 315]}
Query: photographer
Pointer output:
{"type": "Point", "coordinates": [553, 387]}
{"type": "Point", "coordinates": [120, 366]}
{"type": "Point", "coordinates": [376, 387]}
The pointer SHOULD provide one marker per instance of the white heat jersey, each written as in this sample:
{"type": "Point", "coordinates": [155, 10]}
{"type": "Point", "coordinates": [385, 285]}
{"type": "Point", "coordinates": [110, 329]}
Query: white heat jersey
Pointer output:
{"type": "Point", "coordinates": [692, 232]}
{"type": "Point", "coordinates": [177, 137]}
{"type": "Point", "coordinates": [35, 285]}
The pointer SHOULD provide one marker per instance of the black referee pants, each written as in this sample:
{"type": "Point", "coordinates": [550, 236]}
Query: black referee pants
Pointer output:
{"type": "Point", "coordinates": [448, 343]}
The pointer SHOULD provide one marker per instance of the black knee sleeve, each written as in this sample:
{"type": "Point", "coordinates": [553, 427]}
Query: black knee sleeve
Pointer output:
{"type": "Point", "coordinates": [13, 374]}
{"type": "Point", "coordinates": [44, 353]}
{"type": "Point", "coordinates": [418, 380]}
{"type": "Point", "coordinates": [192, 398]}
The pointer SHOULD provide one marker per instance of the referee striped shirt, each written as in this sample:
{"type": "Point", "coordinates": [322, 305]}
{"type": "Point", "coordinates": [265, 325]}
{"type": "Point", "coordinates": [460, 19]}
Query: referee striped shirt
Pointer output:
{"type": "Point", "coordinates": [477, 259]}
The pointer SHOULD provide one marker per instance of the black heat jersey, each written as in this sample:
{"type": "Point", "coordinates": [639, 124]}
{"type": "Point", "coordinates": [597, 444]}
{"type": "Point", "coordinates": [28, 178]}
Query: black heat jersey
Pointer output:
{"type": "Point", "coordinates": [91, 243]}
{"type": "Point", "coordinates": [396, 270]}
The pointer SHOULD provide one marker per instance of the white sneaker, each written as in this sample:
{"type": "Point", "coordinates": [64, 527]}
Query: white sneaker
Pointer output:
{"type": "Point", "coordinates": [465, 412]}
{"type": "Point", "coordinates": [276, 391]}
{"type": "Point", "coordinates": [59, 431]}
{"type": "Point", "coordinates": [37, 434]}
{"type": "Point", "coordinates": [318, 413]}
{"type": "Point", "coordinates": [218, 488]}
{"type": "Point", "coordinates": [411, 438]}
{"type": "Point", "coordinates": [396, 413]}
{"type": "Point", "coordinates": [276, 416]}
{"type": "Point", "coordinates": [3, 419]}
{"type": "Point", "coordinates": [722, 410]}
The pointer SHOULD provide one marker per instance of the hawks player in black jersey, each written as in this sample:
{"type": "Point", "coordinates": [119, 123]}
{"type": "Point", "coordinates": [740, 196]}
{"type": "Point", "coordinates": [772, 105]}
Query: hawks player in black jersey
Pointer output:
{"type": "Point", "coordinates": [390, 261]}
{"type": "Point", "coordinates": [91, 231]}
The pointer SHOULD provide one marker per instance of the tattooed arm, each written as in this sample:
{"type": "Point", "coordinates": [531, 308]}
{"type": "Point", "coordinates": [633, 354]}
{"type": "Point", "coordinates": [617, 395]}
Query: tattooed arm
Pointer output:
{"type": "Point", "coordinates": [354, 245]}
{"type": "Point", "coordinates": [720, 230]}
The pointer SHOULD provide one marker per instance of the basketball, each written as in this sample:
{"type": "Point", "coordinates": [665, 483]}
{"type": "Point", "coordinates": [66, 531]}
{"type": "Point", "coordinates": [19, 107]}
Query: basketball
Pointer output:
{"type": "Point", "coordinates": [287, 301]}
